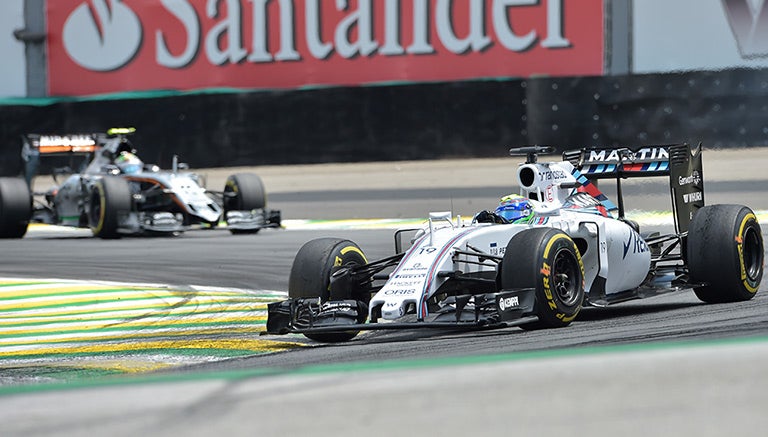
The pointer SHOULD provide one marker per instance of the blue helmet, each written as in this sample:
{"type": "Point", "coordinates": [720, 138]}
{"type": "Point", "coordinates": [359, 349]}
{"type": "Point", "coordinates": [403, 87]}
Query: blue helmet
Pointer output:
{"type": "Point", "coordinates": [515, 208]}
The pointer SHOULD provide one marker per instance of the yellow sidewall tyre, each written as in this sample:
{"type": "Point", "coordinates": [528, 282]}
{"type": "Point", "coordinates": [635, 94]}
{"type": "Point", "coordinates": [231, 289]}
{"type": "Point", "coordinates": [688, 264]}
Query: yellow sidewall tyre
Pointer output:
{"type": "Point", "coordinates": [311, 276]}
{"type": "Point", "coordinates": [725, 251]}
{"type": "Point", "coordinates": [110, 198]}
{"type": "Point", "coordinates": [548, 261]}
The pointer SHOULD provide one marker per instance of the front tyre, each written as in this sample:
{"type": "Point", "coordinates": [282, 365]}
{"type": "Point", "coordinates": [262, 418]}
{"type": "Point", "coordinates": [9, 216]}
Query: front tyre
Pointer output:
{"type": "Point", "coordinates": [725, 251]}
{"type": "Point", "coordinates": [311, 274]}
{"type": "Point", "coordinates": [15, 207]}
{"type": "Point", "coordinates": [548, 261]}
{"type": "Point", "coordinates": [244, 192]}
{"type": "Point", "coordinates": [109, 200]}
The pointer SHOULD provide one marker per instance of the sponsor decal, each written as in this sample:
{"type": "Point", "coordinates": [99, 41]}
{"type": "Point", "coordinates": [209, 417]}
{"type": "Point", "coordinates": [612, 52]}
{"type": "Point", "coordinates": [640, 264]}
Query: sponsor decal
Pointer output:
{"type": "Point", "coordinates": [496, 250]}
{"type": "Point", "coordinates": [410, 275]}
{"type": "Point", "coordinates": [403, 283]}
{"type": "Point", "coordinates": [102, 35]}
{"type": "Point", "coordinates": [97, 46]}
{"type": "Point", "coordinates": [624, 155]}
{"type": "Point", "coordinates": [635, 243]}
{"type": "Point", "coordinates": [338, 306]}
{"type": "Point", "coordinates": [552, 175]}
{"type": "Point", "coordinates": [400, 292]}
{"type": "Point", "coordinates": [66, 140]}
{"type": "Point", "coordinates": [416, 267]}
{"type": "Point", "coordinates": [694, 178]}
{"type": "Point", "coordinates": [696, 196]}
{"type": "Point", "coordinates": [509, 303]}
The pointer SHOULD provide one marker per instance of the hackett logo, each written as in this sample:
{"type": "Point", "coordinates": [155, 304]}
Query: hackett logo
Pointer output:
{"type": "Point", "coordinates": [144, 44]}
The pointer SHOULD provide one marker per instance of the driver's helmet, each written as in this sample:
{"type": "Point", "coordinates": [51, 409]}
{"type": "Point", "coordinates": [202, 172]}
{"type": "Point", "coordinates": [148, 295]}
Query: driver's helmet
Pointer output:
{"type": "Point", "coordinates": [128, 163]}
{"type": "Point", "coordinates": [515, 208]}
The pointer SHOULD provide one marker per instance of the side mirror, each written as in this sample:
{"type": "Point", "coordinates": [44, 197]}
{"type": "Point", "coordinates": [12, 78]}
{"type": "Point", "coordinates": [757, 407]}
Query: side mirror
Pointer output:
{"type": "Point", "coordinates": [404, 238]}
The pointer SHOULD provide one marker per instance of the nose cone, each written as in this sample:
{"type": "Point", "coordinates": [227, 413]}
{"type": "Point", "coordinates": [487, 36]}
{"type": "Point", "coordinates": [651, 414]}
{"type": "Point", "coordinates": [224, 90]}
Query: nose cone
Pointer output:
{"type": "Point", "coordinates": [209, 215]}
{"type": "Point", "coordinates": [392, 309]}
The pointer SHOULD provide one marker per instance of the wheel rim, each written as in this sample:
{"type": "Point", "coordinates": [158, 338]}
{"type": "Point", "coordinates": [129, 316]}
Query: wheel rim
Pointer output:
{"type": "Point", "coordinates": [95, 213]}
{"type": "Point", "coordinates": [566, 277]}
{"type": "Point", "coordinates": [231, 196]}
{"type": "Point", "coordinates": [753, 254]}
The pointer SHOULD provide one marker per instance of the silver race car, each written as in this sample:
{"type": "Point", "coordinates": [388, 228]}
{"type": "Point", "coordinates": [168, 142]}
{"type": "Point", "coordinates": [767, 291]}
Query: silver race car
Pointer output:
{"type": "Point", "coordinates": [535, 260]}
{"type": "Point", "coordinates": [107, 188]}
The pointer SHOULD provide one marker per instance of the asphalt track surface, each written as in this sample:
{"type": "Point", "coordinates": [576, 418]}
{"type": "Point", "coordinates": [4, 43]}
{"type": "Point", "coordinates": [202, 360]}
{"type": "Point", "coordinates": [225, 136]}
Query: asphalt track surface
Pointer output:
{"type": "Point", "coordinates": [666, 366]}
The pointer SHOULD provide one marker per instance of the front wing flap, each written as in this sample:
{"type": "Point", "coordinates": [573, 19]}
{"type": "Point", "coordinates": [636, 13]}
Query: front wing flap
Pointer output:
{"type": "Point", "coordinates": [256, 219]}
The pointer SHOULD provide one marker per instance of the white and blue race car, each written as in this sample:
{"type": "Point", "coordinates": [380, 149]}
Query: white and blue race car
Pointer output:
{"type": "Point", "coordinates": [572, 247]}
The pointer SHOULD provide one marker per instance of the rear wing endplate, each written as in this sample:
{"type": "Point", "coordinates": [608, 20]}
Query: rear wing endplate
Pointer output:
{"type": "Point", "coordinates": [681, 162]}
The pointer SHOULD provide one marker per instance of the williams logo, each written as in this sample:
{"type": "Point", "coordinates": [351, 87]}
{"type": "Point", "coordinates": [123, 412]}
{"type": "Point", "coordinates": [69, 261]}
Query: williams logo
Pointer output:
{"type": "Point", "coordinates": [696, 196]}
{"type": "Point", "coordinates": [102, 35]}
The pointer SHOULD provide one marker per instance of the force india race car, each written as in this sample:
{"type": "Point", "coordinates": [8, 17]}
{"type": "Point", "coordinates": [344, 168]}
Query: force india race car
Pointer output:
{"type": "Point", "coordinates": [575, 249]}
{"type": "Point", "coordinates": [113, 193]}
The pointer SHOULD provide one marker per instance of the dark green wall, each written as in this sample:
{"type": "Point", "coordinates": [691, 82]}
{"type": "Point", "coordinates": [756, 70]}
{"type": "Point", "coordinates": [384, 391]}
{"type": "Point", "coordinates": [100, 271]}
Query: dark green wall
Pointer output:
{"type": "Point", "coordinates": [417, 121]}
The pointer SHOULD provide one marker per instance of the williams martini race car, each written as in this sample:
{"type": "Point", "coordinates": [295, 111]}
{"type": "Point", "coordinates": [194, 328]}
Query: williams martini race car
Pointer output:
{"type": "Point", "coordinates": [569, 246]}
{"type": "Point", "coordinates": [114, 193]}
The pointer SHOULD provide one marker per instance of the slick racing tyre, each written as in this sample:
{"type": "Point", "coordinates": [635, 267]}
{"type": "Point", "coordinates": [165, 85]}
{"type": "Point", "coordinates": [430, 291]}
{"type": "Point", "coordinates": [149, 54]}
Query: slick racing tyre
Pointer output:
{"type": "Point", "coordinates": [725, 251]}
{"type": "Point", "coordinates": [244, 192]}
{"type": "Point", "coordinates": [110, 199]}
{"type": "Point", "coordinates": [311, 274]}
{"type": "Point", "coordinates": [548, 261]}
{"type": "Point", "coordinates": [15, 207]}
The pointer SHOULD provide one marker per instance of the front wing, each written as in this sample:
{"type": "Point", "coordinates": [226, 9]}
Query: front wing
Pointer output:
{"type": "Point", "coordinates": [505, 308]}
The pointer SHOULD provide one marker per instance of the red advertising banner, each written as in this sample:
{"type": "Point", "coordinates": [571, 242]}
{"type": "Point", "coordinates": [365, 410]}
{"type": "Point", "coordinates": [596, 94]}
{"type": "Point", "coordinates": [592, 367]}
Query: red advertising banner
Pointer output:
{"type": "Point", "coordinates": [101, 46]}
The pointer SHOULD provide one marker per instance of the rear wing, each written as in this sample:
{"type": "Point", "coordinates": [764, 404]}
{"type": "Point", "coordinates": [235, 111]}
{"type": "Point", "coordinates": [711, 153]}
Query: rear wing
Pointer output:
{"type": "Point", "coordinates": [36, 146]}
{"type": "Point", "coordinates": [681, 162]}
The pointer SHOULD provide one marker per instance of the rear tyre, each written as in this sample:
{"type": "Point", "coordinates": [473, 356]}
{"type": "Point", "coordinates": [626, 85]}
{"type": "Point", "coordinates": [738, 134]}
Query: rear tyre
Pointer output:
{"type": "Point", "coordinates": [15, 207]}
{"type": "Point", "coordinates": [548, 261]}
{"type": "Point", "coordinates": [725, 250]}
{"type": "Point", "coordinates": [244, 192]}
{"type": "Point", "coordinates": [110, 199]}
{"type": "Point", "coordinates": [311, 275]}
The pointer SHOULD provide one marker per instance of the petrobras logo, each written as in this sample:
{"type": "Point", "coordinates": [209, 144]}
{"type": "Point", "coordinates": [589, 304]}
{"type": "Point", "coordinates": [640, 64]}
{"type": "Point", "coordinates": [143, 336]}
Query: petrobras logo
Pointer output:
{"type": "Point", "coordinates": [102, 35]}
{"type": "Point", "coordinates": [183, 44]}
